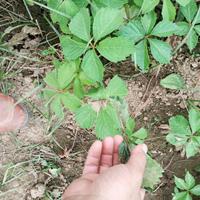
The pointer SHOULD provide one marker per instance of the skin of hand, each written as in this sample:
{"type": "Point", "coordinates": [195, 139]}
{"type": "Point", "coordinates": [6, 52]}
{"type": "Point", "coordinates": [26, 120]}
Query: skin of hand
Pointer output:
{"type": "Point", "coordinates": [104, 178]}
{"type": "Point", "coordinates": [12, 116]}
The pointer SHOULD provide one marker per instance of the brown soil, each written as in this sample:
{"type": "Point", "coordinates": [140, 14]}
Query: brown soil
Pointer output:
{"type": "Point", "coordinates": [29, 157]}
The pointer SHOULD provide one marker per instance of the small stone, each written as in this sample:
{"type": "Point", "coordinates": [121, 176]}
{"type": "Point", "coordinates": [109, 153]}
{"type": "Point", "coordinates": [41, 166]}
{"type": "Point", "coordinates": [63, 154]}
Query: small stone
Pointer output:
{"type": "Point", "coordinates": [182, 105]}
{"type": "Point", "coordinates": [145, 118]}
{"type": "Point", "coordinates": [140, 94]}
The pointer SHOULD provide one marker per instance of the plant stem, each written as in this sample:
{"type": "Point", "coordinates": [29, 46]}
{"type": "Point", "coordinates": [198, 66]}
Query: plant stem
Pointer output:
{"type": "Point", "coordinates": [188, 34]}
{"type": "Point", "coordinates": [51, 9]}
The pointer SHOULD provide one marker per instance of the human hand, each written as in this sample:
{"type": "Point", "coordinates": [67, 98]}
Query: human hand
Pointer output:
{"type": "Point", "coordinates": [105, 179]}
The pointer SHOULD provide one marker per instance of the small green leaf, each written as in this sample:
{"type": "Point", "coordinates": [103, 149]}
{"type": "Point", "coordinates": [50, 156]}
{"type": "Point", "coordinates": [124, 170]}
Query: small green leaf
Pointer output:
{"type": "Point", "coordinates": [183, 28]}
{"type": "Point", "coordinates": [108, 123]}
{"type": "Point", "coordinates": [92, 66]}
{"type": "Point", "coordinates": [180, 196]}
{"type": "Point", "coordinates": [164, 29]}
{"type": "Point", "coordinates": [189, 10]}
{"type": "Point", "coordinates": [141, 55]}
{"type": "Point", "coordinates": [197, 29]}
{"type": "Point", "coordinates": [70, 101]}
{"type": "Point", "coordinates": [116, 88]}
{"type": "Point", "coordinates": [133, 30]}
{"type": "Point", "coordinates": [196, 190]}
{"type": "Point", "coordinates": [183, 2]}
{"type": "Point", "coordinates": [149, 5]}
{"type": "Point", "coordinates": [168, 11]}
{"type": "Point", "coordinates": [124, 153]}
{"type": "Point", "coordinates": [173, 81]}
{"type": "Point", "coordinates": [115, 49]}
{"type": "Point", "coordinates": [161, 51]}
{"type": "Point", "coordinates": [80, 24]}
{"type": "Point", "coordinates": [60, 78]}
{"type": "Point", "coordinates": [192, 40]}
{"type": "Point", "coordinates": [141, 134]}
{"type": "Point", "coordinates": [179, 125]}
{"type": "Point", "coordinates": [194, 119]}
{"type": "Point", "coordinates": [149, 21]}
{"type": "Point", "coordinates": [190, 181]}
{"type": "Point", "coordinates": [130, 126]}
{"type": "Point", "coordinates": [78, 88]}
{"type": "Point", "coordinates": [153, 173]}
{"type": "Point", "coordinates": [85, 116]}
{"type": "Point", "coordinates": [192, 148]}
{"type": "Point", "coordinates": [106, 21]}
{"type": "Point", "coordinates": [71, 48]}
{"type": "Point", "coordinates": [56, 106]}
{"type": "Point", "coordinates": [180, 183]}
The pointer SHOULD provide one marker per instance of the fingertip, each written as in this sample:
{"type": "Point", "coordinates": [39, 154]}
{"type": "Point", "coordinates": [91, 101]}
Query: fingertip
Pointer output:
{"type": "Point", "coordinates": [118, 139]}
{"type": "Point", "coordinates": [141, 148]}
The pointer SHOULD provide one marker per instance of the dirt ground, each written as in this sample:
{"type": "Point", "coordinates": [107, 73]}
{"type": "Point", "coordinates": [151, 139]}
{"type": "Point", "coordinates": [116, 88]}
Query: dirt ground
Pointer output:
{"type": "Point", "coordinates": [43, 158]}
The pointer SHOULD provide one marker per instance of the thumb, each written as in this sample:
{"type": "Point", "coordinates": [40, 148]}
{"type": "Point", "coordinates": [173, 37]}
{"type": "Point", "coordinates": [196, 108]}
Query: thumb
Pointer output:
{"type": "Point", "coordinates": [137, 163]}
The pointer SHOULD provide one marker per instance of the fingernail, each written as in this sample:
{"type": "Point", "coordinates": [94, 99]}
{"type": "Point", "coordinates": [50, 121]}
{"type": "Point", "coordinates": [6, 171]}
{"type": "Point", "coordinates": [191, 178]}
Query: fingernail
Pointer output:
{"type": "Point", "coordinates": [145, 148]}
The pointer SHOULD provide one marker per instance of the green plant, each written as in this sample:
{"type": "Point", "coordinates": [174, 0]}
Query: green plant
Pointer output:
{"type": "Point", "coordinates": [186, 188]}
{"type": "Point", "coordinates": [185, 134]}
{"type": "Point", "coordinates": [190, 27]}
{"type": "Point", "coordinates": [174, 82]}
{"type": "Point", "coordinates": [145, 32]}
{"type": "Point", "coordinates": [94, 33]}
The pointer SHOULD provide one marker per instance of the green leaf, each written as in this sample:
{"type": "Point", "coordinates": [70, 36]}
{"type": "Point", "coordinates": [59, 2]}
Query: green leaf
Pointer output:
{"type": "Point", "coordinates": [80, 25]}
{"type": "Point", "coordinates": [67, 7]}
{"type": "Point", "coordinates": [192, 40]}
{"type": "Point", "coordinates": [183, 28]}
{"type": "Point", "coordinates": [190, 181]}
{"type": "Point", "coordinates": [148, 22]}
{"type": "Point", "coordinates": [60, 78]}
{"type": "Point", "coordinates": [70, 101]}
{"type": "Point", "coordinates": [189, 10]}
{"type": "Point", "coordinates": [78, 88]}
{"type": "Point", "coordinates": [130, 126]}
{"type": "Point", "coordinates": [196, 190]}
{"type": "Point", "coordinates": [106, 21]}
{"type": "Point", "coordinates": [192, 148]}
{"type": "Point", "coordinates": [168, 11]}
{"type": "Point", "coordinates": [183, 2]}
{"type": "Point", "coordinates": [141, 134]}
{"type": "Point", "coordinates": [164, 29]}
{"type": "Point", "coordinates": [141, 55]}
{"type": "Point", "coordinates": [111, 3]}
{"type": "Point", "coordinates": [108, 123]}
{"type": "Point", "coordinates": [161, 51]}
{"type": "Point", "coordinates": [115, 49]}
{"type": "Point", "coordinates": [81, 3]}
{"type": "Point", "coordinates": [92, 66]}
{"type": "Point", "coordinates": [180, 196]}
{"type": "Point", "coordinates": [124, 153]}
{"type": "Point", "coordinates": [116, 88]}
{"type": "Point", "coordinates": [72, 49]}
{"type": "Point", "coordinates": [180, 183]}
{"type": "Point", "coordinates": [173, 81]}
{"type": "Point", "coordinates": [56, 106]}
{"type": "Point", "coordinates": [197, 29]}
{"type": "Point", "coordinates": [133, 30]}
{"type": "Point", "coordinates": [85, 116]}
{"type": "Point", "coordinates": [138, 2]}
{"type": "Point", "coordinates": [179, 125]}
{"type": "Point", "coordinates": [153, 173]}
{"type": "Point", "coordinates": [149, 5]}
{"type": "Point", "coordinates": [194, 119]}
{"type": "Point", "coordinates": [97, 94]}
